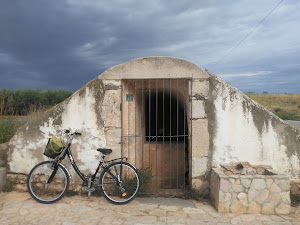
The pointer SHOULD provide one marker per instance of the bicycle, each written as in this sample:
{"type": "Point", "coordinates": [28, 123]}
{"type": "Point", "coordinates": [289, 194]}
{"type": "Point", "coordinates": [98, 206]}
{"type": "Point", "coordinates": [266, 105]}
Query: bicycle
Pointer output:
{"type": "Point", "coordinates": [119, 180]}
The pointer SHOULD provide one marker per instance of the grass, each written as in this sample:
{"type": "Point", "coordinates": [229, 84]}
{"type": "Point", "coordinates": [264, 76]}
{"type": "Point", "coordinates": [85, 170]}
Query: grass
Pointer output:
{"type": "Point", "coordinates": [19, 106]}
{"type": "Point", "coordinates": [145, 175]}
{"type": "Point", "coordinates": [24, 102]}
{"type": "Point", "coordinates": [9, 185]}
{"type": "Point", "coordinates": [8, 128]}
{"type": "Point", "coordinates": [285, 106]}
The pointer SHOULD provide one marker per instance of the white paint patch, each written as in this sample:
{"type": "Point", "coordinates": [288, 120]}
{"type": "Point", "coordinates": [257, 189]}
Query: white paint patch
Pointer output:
{"type": "Point", "coordinates": [270, 145]}
{"type": "Point", "coordinates": [295, 166]}
{"type": "Point", "coordinates": [81, 115]}
{"type": "Point", "coordinates": [21, 158]}
{"type": "Point", "coordinates": [237, 138]}
{"type": "Point", "coordinates": [48, 129]}
{"type": "Point", "coordinates": [111, 113]}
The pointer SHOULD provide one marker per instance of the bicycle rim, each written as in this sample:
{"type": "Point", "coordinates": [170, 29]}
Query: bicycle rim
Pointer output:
{"type": "Point", "coordinates": [47, 192]}
{"type": "Point", "coordinates": [120, 192]}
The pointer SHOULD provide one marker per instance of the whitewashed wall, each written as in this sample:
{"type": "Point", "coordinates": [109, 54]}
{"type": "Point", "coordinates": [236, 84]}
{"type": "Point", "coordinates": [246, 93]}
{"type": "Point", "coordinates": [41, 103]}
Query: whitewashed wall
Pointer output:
{"type": "Point", "coordinates": [245, 131]}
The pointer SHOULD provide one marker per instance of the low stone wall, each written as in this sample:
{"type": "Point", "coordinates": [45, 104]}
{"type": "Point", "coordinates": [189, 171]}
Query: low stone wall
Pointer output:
{"type": "Point", "coordinates": [19, 182]}
{"type": "Point", "coordinates": [265, 194]}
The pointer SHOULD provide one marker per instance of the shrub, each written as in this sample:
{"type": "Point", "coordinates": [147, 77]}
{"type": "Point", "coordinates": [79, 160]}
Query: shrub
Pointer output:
{"type": "Point", "coordinates": [287, 116]}
{"type": "Point", "coordinates": [295, 200]}
{"type": "Point", "coordinates": [145, 175]}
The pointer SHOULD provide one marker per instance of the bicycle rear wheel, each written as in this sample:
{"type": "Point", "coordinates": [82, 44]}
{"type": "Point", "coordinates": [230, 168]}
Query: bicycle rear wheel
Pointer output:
{"type": "Point", "coordinates": [47, 182]}
{"type": "Point", "coordinates": [120, 182]}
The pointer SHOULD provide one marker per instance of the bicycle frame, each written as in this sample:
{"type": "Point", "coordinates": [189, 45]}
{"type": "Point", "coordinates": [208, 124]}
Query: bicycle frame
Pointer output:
{"type": "Point", "coordinates": [68, 152]}
{"type": "Point", "coordinates": [117, 179]}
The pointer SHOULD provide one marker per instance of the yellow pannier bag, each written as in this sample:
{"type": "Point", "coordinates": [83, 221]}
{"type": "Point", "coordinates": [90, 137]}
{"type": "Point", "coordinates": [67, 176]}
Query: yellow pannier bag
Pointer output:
{"type": "Point", "coordinates": [56, 144]}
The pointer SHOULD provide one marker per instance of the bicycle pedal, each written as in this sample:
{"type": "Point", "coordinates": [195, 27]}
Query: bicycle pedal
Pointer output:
{"type": "Point", "coordinates": [90, 190]}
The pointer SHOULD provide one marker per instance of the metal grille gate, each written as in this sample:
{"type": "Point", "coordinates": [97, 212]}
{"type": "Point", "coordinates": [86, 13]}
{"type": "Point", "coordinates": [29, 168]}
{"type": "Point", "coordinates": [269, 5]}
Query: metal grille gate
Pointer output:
{"type": "Point", "coordinates": [156, 132]}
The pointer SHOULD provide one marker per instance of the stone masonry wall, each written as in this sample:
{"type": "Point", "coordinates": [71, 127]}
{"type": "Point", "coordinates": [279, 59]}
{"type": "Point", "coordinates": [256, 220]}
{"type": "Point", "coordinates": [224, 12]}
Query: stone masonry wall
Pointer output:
{"type": "Point", "coordinates": [200, 136]}
{"type": "Point", "coordinates": [19, 183]}
{"type": "Point", "coordinates": [250, 193]}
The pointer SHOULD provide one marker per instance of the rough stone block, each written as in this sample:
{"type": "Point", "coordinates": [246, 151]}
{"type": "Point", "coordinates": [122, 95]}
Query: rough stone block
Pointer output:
{"type": "Point", "coordinates": [224, 197]}
{"type": "Point", "coordinates": [111, 113]}
{"type": "Point", "coordinates": [286, 198]}
{"type": "Point", "coordinates": [20, 187]}
{"type": "Point", "coordinates": [283, 184]}
{"type": "Point", "coordinates": [254, 208]}
{"type": "Point", "coordinates": [200, 88]}
{"type": "Point", "coordinates": [269, 182]}
{"type": "Point", "coordinates": [112, 84]}
{"type": "Point", "coordinates": [237, 207]}
{"type": "Point", "coordinates": [225, 185]}
{"type": "Point", "coordinates": [113, 136]}
{"type": "Point", "coordinates": [243, 198]}
{"type": "Point", "coordinates": [268, 208]}
{"type": "Point", "coordinates": [3, 172]}
{"type": "Point", "coordinates": [198, 109]}
{"type": "Point", "coordinates": [246, 182]}
{"type": "Point", "coordinates": [258, 184]}
{"type": "Point", "coordinates": [200, 135]}
{"type": "Point", "coordinates": [199, 166]}
{"type": "Point", "coordinates": [274, 198]}
{"type": "Point", "coordinates": [252, 194]}
{"type": "Point", "coordinates": [237, 188]}
{"type": "Point", "coordinates": [275, 188]}
{"type": "Point", "coordinates": [283, 209]}
{"type": "Point", "coordinates": [262, 197]}
{"type": "Point", "coordinates": [223, 207]}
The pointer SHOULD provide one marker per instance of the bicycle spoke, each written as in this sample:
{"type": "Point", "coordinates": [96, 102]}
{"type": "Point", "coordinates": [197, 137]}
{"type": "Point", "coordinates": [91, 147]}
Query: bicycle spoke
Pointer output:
{"type": "Point", "coordinates": [123, 191]}
{"type": "Point", "coordinates": [47, 185]}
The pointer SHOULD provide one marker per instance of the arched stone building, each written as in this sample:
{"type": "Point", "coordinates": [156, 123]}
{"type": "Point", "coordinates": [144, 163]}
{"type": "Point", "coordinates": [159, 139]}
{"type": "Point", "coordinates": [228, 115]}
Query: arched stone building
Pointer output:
{"type": "Point", "coordinates": [166, 113]}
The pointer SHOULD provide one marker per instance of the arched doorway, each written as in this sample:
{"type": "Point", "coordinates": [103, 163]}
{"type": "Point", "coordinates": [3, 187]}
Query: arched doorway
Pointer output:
{"type": "Point", "coordinates": [155, 130]}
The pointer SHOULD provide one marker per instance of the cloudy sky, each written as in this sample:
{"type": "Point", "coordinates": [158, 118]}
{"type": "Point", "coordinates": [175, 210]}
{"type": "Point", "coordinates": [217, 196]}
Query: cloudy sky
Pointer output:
{"type": "Point", "coordinates": [63, 44]}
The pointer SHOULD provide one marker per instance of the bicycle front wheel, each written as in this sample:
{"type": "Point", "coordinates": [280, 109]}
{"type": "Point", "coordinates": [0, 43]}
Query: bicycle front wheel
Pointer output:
{"type": "Point", "coordinates": [47, 182]}
{"type": "Point", "coordinates": [120, 182]}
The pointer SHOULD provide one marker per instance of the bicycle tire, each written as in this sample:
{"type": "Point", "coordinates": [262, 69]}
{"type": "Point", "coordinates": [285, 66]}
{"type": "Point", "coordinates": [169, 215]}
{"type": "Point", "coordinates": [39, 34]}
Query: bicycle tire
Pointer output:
{"type": "Point", "coordinates": [42, 191]}
{"type": "Point", "coordinates": [115, 192]}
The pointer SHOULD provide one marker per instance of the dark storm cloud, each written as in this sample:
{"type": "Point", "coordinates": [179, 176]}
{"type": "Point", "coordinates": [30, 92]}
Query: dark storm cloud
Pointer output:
{"type": "Point", "coordinates": [65, 44]}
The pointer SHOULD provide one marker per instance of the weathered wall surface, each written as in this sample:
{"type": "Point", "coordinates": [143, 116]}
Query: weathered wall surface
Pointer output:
{"type": "Point", "coordinates": [227, 126]}
{"type": "Point", "coordinates": [81, 113]}
{"type": "Point", "coordinates": [242, 130]}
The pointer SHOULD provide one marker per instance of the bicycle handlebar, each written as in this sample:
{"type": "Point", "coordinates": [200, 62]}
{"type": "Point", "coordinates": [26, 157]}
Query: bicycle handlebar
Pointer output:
{"type": "Point", "coordinates": [75, 133]}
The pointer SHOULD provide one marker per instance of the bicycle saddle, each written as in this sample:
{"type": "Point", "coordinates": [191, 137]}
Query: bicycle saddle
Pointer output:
{"type": "Point", "coordinates": [104, 151]}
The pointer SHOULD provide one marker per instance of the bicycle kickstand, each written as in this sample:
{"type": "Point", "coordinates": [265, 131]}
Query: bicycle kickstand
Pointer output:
{"type": "Point", "coordinates": [89, 186]}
